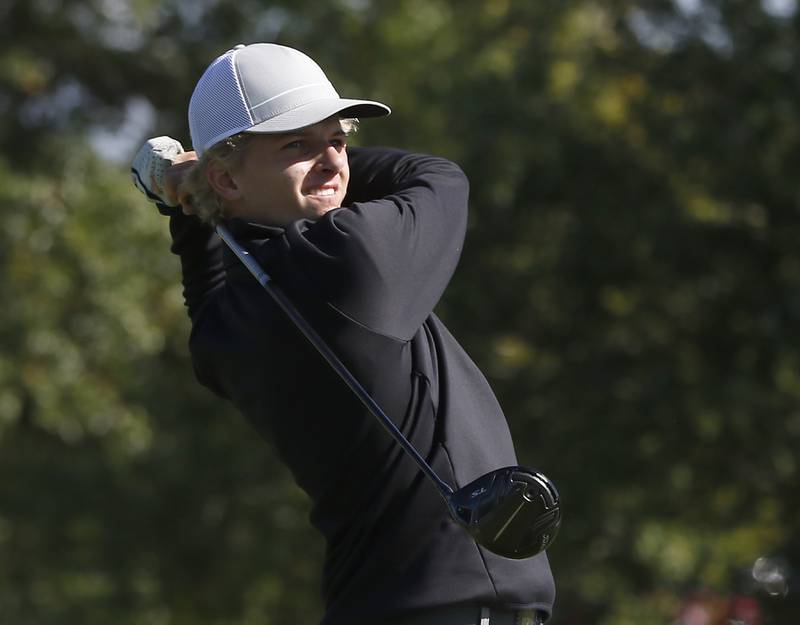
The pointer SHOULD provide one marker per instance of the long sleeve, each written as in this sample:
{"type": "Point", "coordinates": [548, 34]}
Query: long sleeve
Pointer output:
{"type": "Point", "coordinates": [199, 249]}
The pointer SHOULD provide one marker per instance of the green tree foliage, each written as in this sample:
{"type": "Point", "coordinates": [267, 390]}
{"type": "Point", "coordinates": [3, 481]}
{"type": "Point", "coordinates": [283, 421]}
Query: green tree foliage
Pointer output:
{"type": "Point", "coordinates": [630, 284]}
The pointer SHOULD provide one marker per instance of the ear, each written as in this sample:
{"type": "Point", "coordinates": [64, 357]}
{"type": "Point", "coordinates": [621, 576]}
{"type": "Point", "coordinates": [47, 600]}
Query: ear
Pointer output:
{"type": "Point", "coordinates": [222, 181]}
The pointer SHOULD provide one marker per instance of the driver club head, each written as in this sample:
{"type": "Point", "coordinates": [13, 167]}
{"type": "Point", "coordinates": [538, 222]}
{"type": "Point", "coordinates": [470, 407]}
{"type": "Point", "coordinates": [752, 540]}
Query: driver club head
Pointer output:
{"type": "Point", "coordinates": [514, 512]}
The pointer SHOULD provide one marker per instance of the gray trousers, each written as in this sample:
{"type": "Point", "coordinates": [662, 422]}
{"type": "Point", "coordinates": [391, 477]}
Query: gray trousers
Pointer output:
{"type": "Point", "coordinates": [470, 615]}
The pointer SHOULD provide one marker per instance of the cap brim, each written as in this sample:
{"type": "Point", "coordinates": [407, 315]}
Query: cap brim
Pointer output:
{"type": "Point", "coordinates": [319, 110]}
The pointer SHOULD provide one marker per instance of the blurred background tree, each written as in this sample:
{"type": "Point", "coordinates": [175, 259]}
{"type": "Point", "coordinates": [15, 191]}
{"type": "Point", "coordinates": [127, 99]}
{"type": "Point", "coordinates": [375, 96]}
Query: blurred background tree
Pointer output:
{"type": "Point", "coordinates": [630, 285]}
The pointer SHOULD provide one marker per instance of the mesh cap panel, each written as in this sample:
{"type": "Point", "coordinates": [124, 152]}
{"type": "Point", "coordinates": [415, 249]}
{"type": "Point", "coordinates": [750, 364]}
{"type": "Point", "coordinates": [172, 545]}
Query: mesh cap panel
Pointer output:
{"type": "Point", "coordinates": [217, 109]}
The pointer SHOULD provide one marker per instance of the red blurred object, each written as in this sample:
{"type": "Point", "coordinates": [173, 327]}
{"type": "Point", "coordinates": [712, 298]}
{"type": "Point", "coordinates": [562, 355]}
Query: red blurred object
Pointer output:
{"type": "Point", "coordinates": [744, 610]}
{"type": "Point", "coordinates": [709, 608]}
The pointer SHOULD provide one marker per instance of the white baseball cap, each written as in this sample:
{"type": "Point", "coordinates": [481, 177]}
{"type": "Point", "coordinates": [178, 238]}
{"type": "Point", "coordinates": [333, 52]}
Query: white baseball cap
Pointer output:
{"type": "Point", "coordinates": [264, 87]}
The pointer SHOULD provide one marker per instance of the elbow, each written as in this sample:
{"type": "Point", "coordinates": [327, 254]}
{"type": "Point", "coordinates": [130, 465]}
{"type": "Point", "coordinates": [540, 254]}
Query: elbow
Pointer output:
{"type": "Point", "coordinates": [459, 192]}
{"type": "Point", "coordinates": [452, 178]}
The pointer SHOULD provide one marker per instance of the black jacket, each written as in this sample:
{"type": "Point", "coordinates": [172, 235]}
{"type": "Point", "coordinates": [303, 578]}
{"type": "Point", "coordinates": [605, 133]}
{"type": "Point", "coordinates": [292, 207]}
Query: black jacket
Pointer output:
{"type": "Point", "coordinates": [367, 277]}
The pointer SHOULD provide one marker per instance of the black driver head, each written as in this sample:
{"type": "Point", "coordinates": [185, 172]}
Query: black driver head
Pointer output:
{"type": "Point", "coordinates": [514, 512]}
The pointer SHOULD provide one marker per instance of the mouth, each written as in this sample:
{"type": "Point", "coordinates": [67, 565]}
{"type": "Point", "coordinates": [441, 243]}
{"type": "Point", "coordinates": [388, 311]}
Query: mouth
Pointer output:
{"type": "Point", "coordinates": [321, 192]}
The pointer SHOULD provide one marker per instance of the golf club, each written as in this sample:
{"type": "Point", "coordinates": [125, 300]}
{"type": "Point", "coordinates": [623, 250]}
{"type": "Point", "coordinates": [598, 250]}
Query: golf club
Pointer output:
{"type": "Point", "coordinates": [513, 512]}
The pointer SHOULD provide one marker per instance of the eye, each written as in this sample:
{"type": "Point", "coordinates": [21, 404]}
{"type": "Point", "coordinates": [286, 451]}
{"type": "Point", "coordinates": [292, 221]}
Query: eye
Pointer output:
{"type": "Point", "coordinates": [297, 144]}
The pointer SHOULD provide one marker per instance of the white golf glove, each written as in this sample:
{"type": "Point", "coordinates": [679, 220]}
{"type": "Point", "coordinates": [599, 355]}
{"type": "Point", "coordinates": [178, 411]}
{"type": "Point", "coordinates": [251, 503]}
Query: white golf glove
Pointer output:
{"type": "Point", "coordinates": [150, 165]}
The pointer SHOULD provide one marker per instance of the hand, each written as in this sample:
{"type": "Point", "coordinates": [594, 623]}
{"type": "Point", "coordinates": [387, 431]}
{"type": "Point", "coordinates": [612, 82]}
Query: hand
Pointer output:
{"type": "Point", "coordinates": [173, 177]}
{"type": "Point", "coordinates": [150, 165]}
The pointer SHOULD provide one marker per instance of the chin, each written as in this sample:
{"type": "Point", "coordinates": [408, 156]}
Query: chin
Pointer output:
{"type": "Point", "coordinates": [319, 208]}
{"type": "Point", "coordinates": [325, 210]}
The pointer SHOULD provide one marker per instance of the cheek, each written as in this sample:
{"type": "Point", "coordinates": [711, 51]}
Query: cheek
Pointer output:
{"type": "Point", "coordinates": [282, 183]}
{"type": "Point", "coordinates": [296, 175]}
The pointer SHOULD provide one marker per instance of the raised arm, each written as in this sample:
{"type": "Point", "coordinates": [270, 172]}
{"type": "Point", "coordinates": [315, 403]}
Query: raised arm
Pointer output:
{"type": "Point", "coordinates": [400, 178]}
{"type": "Point", "coordinates": [156, 171]}
{"type": "Point", "coordinates": [200, 252]}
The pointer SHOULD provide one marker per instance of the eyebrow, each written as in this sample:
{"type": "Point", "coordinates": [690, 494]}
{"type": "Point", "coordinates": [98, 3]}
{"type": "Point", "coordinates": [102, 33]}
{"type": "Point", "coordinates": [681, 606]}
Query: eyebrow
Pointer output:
{"type": "Point", "coordinates": [305, 132]}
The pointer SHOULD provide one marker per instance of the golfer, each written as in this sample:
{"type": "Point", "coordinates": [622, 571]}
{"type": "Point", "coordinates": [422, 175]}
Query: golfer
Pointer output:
{"type": "Point", "coordinates": [364, 242]}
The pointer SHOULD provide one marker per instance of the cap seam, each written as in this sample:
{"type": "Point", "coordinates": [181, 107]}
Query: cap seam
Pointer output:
{"type": "Point", "coordinates": [297, 106]}
{"type": "Point", "coordinates": [242, 88]}
{"type": "Point", "coordinates": [313, 84]}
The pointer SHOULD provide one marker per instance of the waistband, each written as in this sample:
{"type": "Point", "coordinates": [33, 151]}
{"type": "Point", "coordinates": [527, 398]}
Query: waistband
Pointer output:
{"type": "Point", "coordinates": [471, 615]}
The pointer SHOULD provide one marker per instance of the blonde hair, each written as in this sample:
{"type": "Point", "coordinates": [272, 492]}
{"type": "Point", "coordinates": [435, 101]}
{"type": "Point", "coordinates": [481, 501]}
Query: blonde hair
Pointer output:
{"type": "Point", "coordinates": [230, 152]}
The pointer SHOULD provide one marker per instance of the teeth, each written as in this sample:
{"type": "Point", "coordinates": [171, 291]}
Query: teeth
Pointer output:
{"type": "Point", "coordinates": [322, 192]}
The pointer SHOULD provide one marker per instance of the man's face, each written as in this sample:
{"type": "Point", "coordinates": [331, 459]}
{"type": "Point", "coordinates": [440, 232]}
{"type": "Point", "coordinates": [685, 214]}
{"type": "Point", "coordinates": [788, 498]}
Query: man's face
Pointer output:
{"type": "Point", "coordinates": [294, 175]}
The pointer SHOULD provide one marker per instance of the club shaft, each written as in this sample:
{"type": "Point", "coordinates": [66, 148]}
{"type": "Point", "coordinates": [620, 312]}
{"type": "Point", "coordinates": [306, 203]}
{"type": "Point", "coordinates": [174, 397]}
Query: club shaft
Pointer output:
{"type": "Point", "coordinates": [330, 356]}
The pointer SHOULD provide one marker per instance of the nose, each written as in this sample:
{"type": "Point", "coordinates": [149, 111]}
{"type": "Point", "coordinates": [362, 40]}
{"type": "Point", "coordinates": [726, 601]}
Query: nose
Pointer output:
{"type": "Point", "coordinates": [331, 158]}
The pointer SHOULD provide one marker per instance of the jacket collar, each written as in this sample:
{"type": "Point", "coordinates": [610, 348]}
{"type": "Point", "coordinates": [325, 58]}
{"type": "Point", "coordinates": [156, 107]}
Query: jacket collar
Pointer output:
{"type": "Point", "coordinates": [247, 230]}
{"type": "Point", "coordinates": [249, 235]}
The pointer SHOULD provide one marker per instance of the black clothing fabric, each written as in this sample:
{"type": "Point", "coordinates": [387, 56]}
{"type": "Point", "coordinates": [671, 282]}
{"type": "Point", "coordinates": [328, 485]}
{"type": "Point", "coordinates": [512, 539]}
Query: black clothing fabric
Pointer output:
{"type": "Point", "coordinates": [367, 277]}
